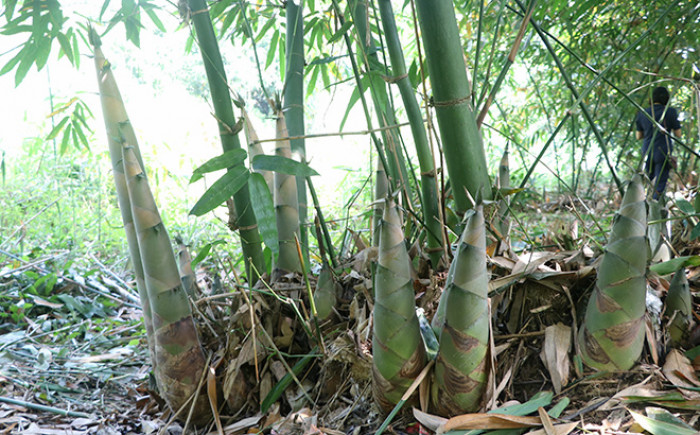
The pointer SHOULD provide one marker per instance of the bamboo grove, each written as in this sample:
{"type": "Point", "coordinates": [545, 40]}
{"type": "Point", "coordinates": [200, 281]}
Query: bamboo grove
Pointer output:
{"type": "Point", "coordinates": [446, 206]}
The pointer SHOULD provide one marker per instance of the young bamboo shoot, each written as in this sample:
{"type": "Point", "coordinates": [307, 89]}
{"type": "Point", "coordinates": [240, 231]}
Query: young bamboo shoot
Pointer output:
{"type": "Point", "coordinates": [397, 346]}
{"type": "Point", "coordinates": [613, 330]}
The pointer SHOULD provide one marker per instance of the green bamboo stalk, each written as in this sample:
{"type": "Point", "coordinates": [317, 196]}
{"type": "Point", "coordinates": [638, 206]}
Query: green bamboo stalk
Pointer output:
{"type": "Point", "coordinates": [294, 105]}
{"type": "Point", "coordinates": [397, 346]}
{"type": "Point", "coordinates": [460, 368]}
{"type": "Point", "coordinates": [430, 198]}
{"type": "Point", "coordinates": [461, 138]}
{"type": "Point", "coordinates": [679, 309]}
{"type": "Point", "coordinates": [325, 235]}
{"type": "Point", "coordinates": [367, 52]}
{"type": "Point", "coordinates": [613, 330]}
{"type": "Point", "coordinates": [365, 107]}
{"type": "Point", "coordinates": [286, 206]}
{"type": "Point", "coordinates": [509, 61]}
{"type": "Point", "coordinates": [118, 126]}
{"type": "Point", "coordinates": [251, 243]}
{"type": "Point", "coordinates": [179, 357]}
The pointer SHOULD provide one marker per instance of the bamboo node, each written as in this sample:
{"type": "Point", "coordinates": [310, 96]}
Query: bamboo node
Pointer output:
{"type": "Point", "coordinates": [450, 102]}
{"type": "Point", "coordinates": [395, 79]}
{"type": "Point", "coordinates": [201, 11]}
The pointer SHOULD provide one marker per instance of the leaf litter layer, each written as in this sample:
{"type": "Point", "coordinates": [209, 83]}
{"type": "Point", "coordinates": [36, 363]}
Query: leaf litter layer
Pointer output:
{"type": "Point", "coordinates": [74, 358]}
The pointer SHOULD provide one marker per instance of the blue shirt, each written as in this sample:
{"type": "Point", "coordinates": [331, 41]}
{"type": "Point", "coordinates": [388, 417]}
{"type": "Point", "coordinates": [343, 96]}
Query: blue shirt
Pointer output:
{"type": "Point", "coordinates": [663, 144]}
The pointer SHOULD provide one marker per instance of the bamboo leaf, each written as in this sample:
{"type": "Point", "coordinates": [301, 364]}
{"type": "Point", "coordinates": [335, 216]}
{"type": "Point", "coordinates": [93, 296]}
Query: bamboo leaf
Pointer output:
{"type": "Point", "coordinates": [42, 53]}
{"type": "Point", "coordinates": [65, 46]}
{"type": "Point", "coordinates": [202, 254]}
{"type": "Point", "coordinates": [154, 17]}
{"type": "Point", "coordinates": [264, 209]}
{"type": "Point", "coordinates": [283, 165]}
{"type": "Point", "coordinates": [25, 63]}
{"type": "Point", "coordinates": [354, 97]}
{"type": "Point", "coordinates": [225, 187]}
{"type": "Point", "coordinates": [273, 48]}
{"type": "Point", "coordinates": [104, 8]}
{"type": "Point", "coordinates": [282, 385]}
{"type": "Point", "coordinates": [66, 137]}
{"type": "Point", "coordinates": [326, 60]}
{"type": "Point", "coordinates": [228, 159]}
{"type": "Point", "coordinates": [76, 51]}
{"type": "Point", "coordinates": [695, 232]}
{"type": "Point", "coordinates": [9, 66]}
{"type": "Point", "coordinates": [341, 32]}
{"type": "Point", "coordinates": [9, 8]}
{"type": "Point", "coordinates": [671, 266]}
{"type": "Point", "coordinates": [656, 427]}
{"type": "Point", "coordinates": [685, 206]}
{"type": "Point", "coordinates": [312, 81]}
{"type": "Point", "coordinates": [57, 129]}
{"type": "Point", "coordinates": [81, 136]}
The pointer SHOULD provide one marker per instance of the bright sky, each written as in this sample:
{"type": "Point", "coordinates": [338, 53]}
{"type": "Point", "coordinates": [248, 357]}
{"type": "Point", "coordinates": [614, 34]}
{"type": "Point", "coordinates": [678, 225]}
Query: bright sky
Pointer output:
{"type": "Point", "coordinates": [175, 129]}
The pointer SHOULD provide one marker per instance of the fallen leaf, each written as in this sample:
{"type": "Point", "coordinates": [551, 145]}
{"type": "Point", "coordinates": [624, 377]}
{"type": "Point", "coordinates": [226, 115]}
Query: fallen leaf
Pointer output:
{"type": "Point", "coordinates": [559, 429]}
{"type": "Point", "coordinates": [240, 425]}
{"type": "Point", "coordinates": [546, 421]}
{"type": "Point", "coordinates": [430, 421]}
{"type": "Point", "coordinates": [488, 421]}
{"type": "Point", "coordinates": [681, 373]}
{"type": "Point", "coordinates": [555, 354]}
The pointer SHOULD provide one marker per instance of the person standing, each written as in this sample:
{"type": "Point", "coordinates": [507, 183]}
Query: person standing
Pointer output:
{"type": "Point", "coordinates": [658, 144]}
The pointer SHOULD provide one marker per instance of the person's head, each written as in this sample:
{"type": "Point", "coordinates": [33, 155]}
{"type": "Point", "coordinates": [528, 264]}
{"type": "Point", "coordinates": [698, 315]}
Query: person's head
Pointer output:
{"type": "Point", "coordinates": [660, 95]}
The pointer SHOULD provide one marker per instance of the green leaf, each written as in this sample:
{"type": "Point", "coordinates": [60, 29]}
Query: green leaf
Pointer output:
{"type": "Point", "coordinates": [9, 8]}
{"type": "Point", "coordinates": [228, 19]}
{"type": "Point", "coordinates": [656, 427]}
{"type": "Point", "coordinates": [671, 266]}
{"type": "Point", "coordinates": [264, 209]}
{"type": "Point", "coordinates": [152, 15]}
{"type": "Point", "coordinates": [65, 46]}
{"type": "Point", "coordinates": [312, 81]}
{"type": "Point", "coordinates": [64, 140]}
{"type": "Point", "coordinates": [693, 353]}
{"type": "Point", "coordinates": [13, 29]}
{"type": "Point", "coordinates": [685, 206]}
{"type": "Point", "coordinates": [341, 32]}
{"type": "Point", "coordinates": [695, 232]}
{"type": "Point", "coordinates": [26, 63]}
{"type": "Point", "coordinates": [326, 60]}
{"type": "Point", "coordinates": [273, 48]}
{"type": "Point", "coordinates": [81, 136]}
{"type": "Point", "coordinates": [202, 254]}
{"type": "Point", "coordinates": [228, 159]}
{"type": "Point", "coordinates": [42, 53]}
{"type": "Point", "coordinates": [282, 385]}
{"type": "Point", "coordinates": [76, 51]}
{"type": "Point", "coordinates": [225, 187]}
{"type": "Point", "coordinates": [57, 129]}
{"type": "Point", "coordinates": [353, 99]}
{"type": "Point", "coordinates": [9, 66]}
{"type": "Point", "coordinates": [268, 24]}
{"type": "Point", "coordinates": [283, 165]}
{"type": "Point", "coordinates": [104, 8]}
